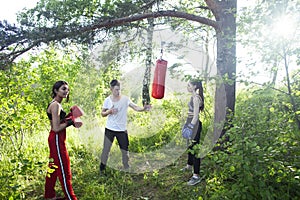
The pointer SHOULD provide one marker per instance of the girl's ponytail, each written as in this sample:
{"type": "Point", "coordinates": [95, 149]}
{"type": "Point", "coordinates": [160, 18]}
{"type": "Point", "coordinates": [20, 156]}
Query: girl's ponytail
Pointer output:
{"type": "Point", "coordinates": [199, 91]}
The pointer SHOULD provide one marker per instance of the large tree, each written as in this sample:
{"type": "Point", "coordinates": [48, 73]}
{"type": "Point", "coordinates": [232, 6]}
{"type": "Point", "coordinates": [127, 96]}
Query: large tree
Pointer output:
{"type": "Point", "coordinates": [91, 21]}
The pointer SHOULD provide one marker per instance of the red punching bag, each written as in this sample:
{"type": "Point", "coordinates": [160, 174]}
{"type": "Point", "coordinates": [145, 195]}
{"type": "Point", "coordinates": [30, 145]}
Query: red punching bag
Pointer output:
{"type": "Point", "coordinates": [158, 85]}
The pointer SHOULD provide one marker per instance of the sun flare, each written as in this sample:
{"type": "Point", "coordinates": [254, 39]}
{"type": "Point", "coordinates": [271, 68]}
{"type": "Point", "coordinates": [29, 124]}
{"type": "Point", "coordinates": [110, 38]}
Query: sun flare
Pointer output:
{"type": "Point", "coordinates": [285, 26]}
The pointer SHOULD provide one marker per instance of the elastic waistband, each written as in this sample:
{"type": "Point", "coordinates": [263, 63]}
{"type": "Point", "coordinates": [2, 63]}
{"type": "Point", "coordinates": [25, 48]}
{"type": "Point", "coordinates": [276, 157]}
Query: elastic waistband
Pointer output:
{"type": "Point", "coordinates": [116, 131]}
{"type": "Point", "coordinates": [62, 131]}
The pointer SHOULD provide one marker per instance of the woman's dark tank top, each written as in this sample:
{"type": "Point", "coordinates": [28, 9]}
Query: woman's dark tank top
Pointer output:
{"type": "Point", "coordinates": [191, 104]}
{"type": "Point", "coordinates": [61, 116]}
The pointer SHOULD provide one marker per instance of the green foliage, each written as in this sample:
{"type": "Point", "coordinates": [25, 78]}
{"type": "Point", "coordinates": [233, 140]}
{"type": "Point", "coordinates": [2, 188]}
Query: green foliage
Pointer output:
{"type": "Point", "coordinates": [260, 160]}
{"type": "Point", "coordinates": [20, 169]}
{"type": "Point", "coordinates": [25, 92]}
{"type": "Point", "coordinates": [158, 131]}
{"type": "Point", "coordinates": [91, 85]}
{"type": "Point", "coordinates": [18, 115]}
{"type": "Point", "coordinates": [69, 16]}
{"type": "Point", "coordinates": [53, 65]}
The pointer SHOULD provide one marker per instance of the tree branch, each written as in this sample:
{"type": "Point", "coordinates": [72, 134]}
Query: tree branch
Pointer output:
{"type": "Point", "coordinates": [262, 84]}
{"type": "Point", "coordinates": [168, 13]}
{"type": "Point", "coordinates": [59, 33]}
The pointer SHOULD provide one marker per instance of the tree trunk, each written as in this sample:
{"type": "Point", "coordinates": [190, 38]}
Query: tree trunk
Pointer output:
{"type": "Point", "coordinates": [146, 80]}
{"type": "Point", "coordinates": [226, 63]}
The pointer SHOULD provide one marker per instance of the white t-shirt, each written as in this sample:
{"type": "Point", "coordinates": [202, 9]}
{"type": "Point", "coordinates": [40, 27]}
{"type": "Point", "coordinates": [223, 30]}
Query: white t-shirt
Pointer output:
{"type": "Point", "coordinates": [118, 121]}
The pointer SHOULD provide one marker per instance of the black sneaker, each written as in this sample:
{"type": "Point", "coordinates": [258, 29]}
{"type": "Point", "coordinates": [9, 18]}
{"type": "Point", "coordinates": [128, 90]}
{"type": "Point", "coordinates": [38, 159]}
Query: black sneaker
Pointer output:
{"type": "Point", "coordinates": [102, 172]}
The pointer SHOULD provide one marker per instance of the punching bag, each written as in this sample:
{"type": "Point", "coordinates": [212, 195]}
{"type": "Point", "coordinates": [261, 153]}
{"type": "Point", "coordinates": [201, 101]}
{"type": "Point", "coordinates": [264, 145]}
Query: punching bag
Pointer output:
{"type": "Point", "coordinates": [158, 85]}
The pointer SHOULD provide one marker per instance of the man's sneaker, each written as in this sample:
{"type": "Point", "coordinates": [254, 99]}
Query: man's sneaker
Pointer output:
{"type": "Point", "coordinates": [194, 181]}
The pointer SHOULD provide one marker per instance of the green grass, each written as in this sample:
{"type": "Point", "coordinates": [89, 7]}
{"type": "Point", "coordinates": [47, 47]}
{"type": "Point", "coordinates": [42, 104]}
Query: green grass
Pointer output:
{"type": "Point", "coordinates": [226, 175]}
{"type": "Point", "coordinates": [28, 175]}
{"type": "Point", "coordinates": [166, 183]}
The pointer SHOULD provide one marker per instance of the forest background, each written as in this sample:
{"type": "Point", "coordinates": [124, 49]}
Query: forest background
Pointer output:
{"type": "Point", "coordinates": [257, 158]}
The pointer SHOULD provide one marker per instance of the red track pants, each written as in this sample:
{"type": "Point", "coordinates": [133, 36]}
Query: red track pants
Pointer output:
{"type": "Point", "coordinates": [60, 162]}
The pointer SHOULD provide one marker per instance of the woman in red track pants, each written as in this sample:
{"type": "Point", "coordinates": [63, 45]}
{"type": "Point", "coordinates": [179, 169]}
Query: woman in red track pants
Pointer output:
{"type": "Point", "coordinates": [59, 162]}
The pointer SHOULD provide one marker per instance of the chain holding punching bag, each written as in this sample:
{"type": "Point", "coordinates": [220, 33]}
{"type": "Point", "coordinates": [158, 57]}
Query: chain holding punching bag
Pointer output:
{"type": "Point", "coordinates": [158, 85]}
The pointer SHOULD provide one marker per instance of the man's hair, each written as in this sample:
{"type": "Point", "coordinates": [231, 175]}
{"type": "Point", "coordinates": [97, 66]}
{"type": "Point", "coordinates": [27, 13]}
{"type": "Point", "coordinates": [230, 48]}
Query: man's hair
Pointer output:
{"type": "Point", "coordinates": [114, 83]}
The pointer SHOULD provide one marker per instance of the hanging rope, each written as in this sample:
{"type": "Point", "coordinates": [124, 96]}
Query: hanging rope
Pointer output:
{"type": "Point", "coordinates": [161, 49]}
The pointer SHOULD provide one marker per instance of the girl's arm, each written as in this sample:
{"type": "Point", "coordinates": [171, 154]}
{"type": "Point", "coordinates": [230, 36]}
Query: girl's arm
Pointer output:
{"type": "Point", "coordinates": [197, 103]}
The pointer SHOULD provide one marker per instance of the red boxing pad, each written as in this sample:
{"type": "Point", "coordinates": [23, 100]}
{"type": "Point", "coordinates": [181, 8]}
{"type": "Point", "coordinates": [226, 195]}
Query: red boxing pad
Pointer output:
{"type": "Point", "coordinates": [77, 122]}
{"type": "Point", "coordinates": [76, 111]}
{"type": "Point", "coordinates": [158, 85]}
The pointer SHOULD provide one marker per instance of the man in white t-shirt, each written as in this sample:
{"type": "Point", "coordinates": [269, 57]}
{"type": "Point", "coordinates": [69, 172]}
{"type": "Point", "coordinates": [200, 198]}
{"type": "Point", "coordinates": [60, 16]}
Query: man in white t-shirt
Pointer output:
{"type": "Point", "coordinates": [115, 108]}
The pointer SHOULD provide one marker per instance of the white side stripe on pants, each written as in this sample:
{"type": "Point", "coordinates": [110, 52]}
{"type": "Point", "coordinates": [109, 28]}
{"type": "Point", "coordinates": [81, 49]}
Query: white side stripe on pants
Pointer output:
{"type": "Point", "coordinates": [61, 166]}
